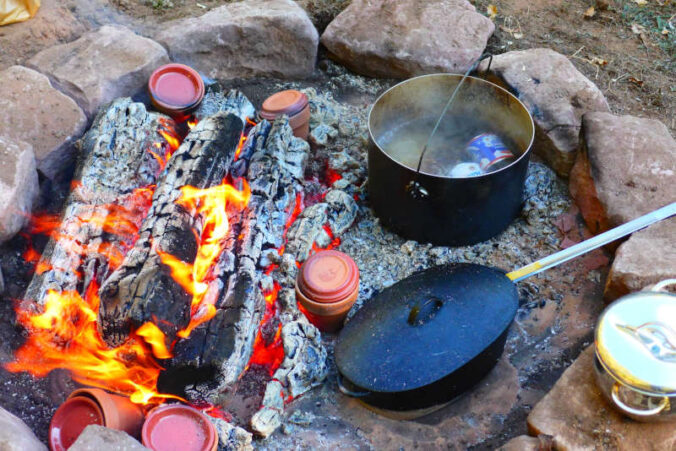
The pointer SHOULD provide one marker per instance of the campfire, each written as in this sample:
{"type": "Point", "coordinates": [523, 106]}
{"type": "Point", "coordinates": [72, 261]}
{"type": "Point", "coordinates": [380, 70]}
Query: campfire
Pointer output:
{"type": "Point", "coordinates": [169, 275]}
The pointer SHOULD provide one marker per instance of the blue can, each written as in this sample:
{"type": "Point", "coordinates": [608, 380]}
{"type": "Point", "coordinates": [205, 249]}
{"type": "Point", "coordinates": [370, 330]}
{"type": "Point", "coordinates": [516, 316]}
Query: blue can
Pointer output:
{"type": "Point", "coordinates": [489, 152]}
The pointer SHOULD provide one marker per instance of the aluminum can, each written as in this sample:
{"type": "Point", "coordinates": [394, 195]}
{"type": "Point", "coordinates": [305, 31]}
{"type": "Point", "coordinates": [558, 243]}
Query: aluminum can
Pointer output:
{"type": "Point", "coordinates": [489, 152]}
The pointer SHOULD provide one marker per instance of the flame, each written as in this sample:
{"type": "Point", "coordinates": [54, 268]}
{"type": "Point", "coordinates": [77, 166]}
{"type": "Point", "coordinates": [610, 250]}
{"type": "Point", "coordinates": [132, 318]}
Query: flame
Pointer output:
{"type": "Point", "coordinates": [240, 145]}
{"type": "Point", "coordinates": [211, 204]}
{"type": "Point", "coordinates": [65, 335]}
{"type": "Point", "coordinates": [269, 354]}
{"type": "Point", "coordinates": [192, 122]}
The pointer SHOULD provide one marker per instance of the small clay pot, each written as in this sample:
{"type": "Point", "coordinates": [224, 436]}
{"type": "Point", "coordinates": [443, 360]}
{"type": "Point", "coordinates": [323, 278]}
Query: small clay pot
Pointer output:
{"type": "Point", "coordinates": [118, 411]}
{"type": "Point", "coordinates": [70, 419]}
{"type": "Point", "coordinates": [176, 90]}
{"type": "Point", "coordinates": [294, 104]}
{"type": "Point", "coordinates": [327, 287]}
{"type": "Point", "coordinates": [178, 427]}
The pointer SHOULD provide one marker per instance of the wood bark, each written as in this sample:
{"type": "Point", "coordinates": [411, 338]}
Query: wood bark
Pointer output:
{"type": "Point", "coordinates": [142, 288]}
{"type": "Point", "coordinates": [114, 161]}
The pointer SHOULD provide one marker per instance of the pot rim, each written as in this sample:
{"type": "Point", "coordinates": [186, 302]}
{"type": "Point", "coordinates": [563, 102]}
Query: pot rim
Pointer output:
{"type": "Point", "coordinates": [440, 177]}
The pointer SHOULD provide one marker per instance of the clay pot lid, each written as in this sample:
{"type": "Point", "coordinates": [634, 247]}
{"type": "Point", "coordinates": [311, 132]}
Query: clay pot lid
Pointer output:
{"type": "Point", "coordinates": [328, 276]}
{"type": "Point", "coordinates": [70, 420]}
{"type": "Point", "coordinates": [287, 102]}
{"type": "Point", "coordinates": [178, 427]}
{"type": "Point", "coordinates": [176, 87]}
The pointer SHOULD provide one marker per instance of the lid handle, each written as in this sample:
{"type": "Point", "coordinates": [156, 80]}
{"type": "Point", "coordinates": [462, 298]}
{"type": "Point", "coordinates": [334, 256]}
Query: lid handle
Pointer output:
{"type": "Point", "coordinates": [431, 306]}
{"type": "Point", "coordinates": [664, 404]}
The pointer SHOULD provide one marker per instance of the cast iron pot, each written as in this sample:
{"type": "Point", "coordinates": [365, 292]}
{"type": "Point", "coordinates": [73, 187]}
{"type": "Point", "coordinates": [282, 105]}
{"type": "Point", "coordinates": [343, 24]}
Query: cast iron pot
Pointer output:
{"type": "Point", "coordinates": [421, 342]}
{"type": "Point", "coordinates": [455, 211]}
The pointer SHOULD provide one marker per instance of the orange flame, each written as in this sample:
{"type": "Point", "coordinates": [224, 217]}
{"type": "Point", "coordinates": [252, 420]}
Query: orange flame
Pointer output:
{"type": "Point", "coordinates": [65, 335]}
{"type": "Point", "coordinates": [211, 204]}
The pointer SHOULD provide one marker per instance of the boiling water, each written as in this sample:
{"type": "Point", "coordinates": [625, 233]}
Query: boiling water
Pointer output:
{"type": "Point", "coordinates": [447, 148]}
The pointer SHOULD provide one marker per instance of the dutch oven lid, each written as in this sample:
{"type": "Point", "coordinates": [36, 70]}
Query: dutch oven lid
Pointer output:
{"type": "Point", "coordinates": [425, 327]}
{"type": "Point", "coordinates": [636, 341]}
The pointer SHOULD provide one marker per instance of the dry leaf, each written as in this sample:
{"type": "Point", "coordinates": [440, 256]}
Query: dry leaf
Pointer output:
{"type": "Point", "coordinates": [591, 12]}
{"type": "Point", "coordinates": [636, 81]}
{"type": "Point", "coordinates": [665, 32]}
{"type": "Point", "coordinates": [598, 61]}
{"type": "Point", "coordinates": [641, 2]}
{"type": "Point", "coordinates": [518, 35]}
{"type": "Point", "coordinates": [638, 29]}
{"type": "Point", "coordinates": [602, 5]}
{"type": "Point", "coordinates": [492, 11]}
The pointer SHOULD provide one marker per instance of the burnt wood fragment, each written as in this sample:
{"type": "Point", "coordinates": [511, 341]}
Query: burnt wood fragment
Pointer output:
{"type": "Point", "coordinates": [114, 161]}
{"type": "Point", "coordinates": [142, 289]}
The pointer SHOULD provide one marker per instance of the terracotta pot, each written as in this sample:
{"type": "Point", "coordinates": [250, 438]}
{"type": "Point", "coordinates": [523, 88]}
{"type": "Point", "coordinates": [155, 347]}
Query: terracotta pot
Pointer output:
{"type": "Point", "coordinates": [175, 89]}
{"type": "Point", "coordinates": [178, 427]}
{"type": "Point", "coordinates": [327, 287]}
{"type": "Point", "coordinates": [118, 411]}
{"type": "Point", "coordinates": [70, 419]}
{"type": "Point", "coordinates": [294, 104]}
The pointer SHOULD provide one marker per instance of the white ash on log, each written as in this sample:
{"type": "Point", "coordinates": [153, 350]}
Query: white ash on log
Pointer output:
{"type": "Point", "coordinates": [142, 289]}
{"type": "Point", "coordinates": [114, 161]}
{"type": "Point", "coordinates": [215, 101]}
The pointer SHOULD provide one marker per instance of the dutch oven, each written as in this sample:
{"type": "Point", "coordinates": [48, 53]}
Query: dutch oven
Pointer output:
{"type": "Point", "coordinates": [455, 210]}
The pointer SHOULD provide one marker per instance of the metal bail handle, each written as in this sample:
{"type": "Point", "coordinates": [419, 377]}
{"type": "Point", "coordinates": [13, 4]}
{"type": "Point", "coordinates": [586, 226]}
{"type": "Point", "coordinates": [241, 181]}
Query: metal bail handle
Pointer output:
{"type": "Point", "coordinates": [346, 391]}
{"type": "Point", "coordinates": [414, 188]}
{"type": "Point", "coordinates": [659, 286]}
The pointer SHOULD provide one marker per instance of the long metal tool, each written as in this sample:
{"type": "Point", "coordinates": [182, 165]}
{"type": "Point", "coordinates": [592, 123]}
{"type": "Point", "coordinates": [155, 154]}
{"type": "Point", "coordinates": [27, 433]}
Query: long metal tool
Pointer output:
{"type": "Point", "coordinates": [593, 243]}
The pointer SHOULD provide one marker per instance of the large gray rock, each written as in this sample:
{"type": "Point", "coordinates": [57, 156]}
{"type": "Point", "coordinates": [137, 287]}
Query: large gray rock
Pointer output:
{"type": "Point", "coordinates": [41, 116]}
{"type": "Point", "coordinates": [18, 186]}
{"type": "Point", "coordinates": [102, 65]}
{"type": "Point", "coordinates": [99, 438]}
{"type": "Point", "coordinates": [403, 38]}
{"type": "Point", "coordinates": [556, 94]}
{"type": "Point", "coordinates": [246, 39]}
{"type": "Point", "coordinates": [575, 413]}
{"type": "Point", "coordinates": [16, 436]}
{"type": "Point", "coordinates": [230, 437]}
{"type": "Point", "coordinates": [644, 259]}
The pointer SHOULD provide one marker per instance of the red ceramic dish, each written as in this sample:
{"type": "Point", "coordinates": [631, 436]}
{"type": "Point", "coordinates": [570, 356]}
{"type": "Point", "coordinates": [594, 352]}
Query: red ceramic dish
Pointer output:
{"type": "Point", "coordinates": [328, 276]}
{"type": "Point", "coordinates": [175, 89]}
{"type": "Point", "coordinates": [294, 104]}
{"type": "Point", "coordinates": [177, 427]}
{"type": "Point", "coordinates": [70, 420]}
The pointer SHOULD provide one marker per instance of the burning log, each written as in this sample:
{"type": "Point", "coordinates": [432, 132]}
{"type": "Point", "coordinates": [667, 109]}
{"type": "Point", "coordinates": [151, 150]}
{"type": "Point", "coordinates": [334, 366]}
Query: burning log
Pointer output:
{"type": "Point", "coordinates": [118, 161]}
{"type": "Point", "coordinates": [143, 289]}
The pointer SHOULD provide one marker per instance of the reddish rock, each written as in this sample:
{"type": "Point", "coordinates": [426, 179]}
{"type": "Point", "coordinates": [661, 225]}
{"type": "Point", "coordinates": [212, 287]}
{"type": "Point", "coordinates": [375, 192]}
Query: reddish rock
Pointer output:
{"type": "Point", "coordinates": [646, 258]}
{"type": "Point", "coordinates": [18, 186]}
{"type": "Point", "coordinates": [556, 94]}
{"type": "Point", "coordinates": [575, 413]}
{"type": "Point", "coordinates": [41, 116]}
{"type": "Point", "coordinates": [110, 62]}
{"type": "Point", "coordinates": [246, 39]}
{"type": "Point", "coordinates": [626, 168]}
{"type": "Point", "coordinates": [404, 38]}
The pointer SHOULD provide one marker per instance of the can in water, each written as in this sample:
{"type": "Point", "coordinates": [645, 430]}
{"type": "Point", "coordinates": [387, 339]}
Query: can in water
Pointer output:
{"type": "Point", "coordinates": [489, 152]}
{"type": "Point", "coordinates": [462, 170]}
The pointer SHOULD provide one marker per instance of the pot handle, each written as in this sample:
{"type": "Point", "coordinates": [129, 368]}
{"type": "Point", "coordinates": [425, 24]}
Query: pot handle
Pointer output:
{"type": "Point", "coordinates": [346, 391]}
{"type": "Point", "coordinates": [637, 412]}
{"type": "Point", "coordinates": [659, 286]}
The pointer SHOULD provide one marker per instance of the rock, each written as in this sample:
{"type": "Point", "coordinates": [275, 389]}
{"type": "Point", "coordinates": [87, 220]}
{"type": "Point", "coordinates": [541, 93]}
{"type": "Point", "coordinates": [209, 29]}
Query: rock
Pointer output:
{"type": "Point", "coordinates": [102, 65]}
{"type": "Point", "coordinates": [18, 186]}
{"type": "Point", "coordinates": [16, 436]}
{"type": "Point", "coordinates": [2, 282]}
{"type": "Point", "coordinates": [404, 38]}
{"type": "Point", "coordinates": [556, 94]}
{"type": "Point", "coordinates": [575, 413]}
{"type": "Point", "coordinates": [53, 24]}
{"type": "Point", "coordinates": [99, 438]}
{"type": "Point", "coordinates": [246, 39]}
{"type": "Point", "coordinates": [41, 116]}
{"type": "Point", "coordinates": [232, 438]}
{"type": "Point", "coordinates": [626, 168]}
{"type": "Point", "coordinates": [526, 443]}
{"type": "Point", "coordinates": [646, 258]}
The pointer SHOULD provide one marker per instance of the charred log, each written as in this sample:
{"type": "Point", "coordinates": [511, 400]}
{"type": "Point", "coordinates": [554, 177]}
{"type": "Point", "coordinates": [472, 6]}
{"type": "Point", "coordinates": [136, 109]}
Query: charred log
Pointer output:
{"type": "Point", "coordinates": [114, 161]}
{"type": "Point", "coordinates": [142, 289]}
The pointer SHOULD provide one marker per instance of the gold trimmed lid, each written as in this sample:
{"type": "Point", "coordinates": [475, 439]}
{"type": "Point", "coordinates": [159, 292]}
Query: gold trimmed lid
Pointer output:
{"type": "Point", "coordinates": [636, 341]}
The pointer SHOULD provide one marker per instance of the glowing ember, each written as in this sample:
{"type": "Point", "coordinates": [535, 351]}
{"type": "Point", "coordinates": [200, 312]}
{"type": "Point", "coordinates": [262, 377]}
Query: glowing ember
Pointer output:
{"type": "Point", "coordinates": [268, 354]}
{"type": "Point", "coordinates": [211, 204]}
